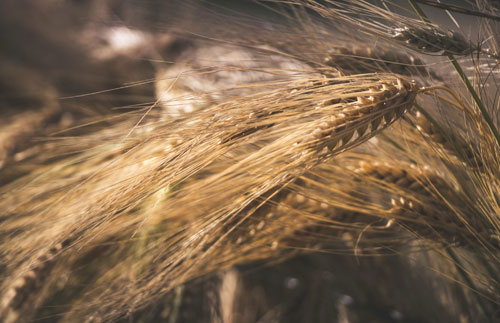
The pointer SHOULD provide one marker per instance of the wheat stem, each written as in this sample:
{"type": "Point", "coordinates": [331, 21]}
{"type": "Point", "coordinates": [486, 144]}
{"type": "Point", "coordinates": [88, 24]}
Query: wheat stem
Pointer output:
{"type": "Point", "coordinates": [476, 98]}
{"type": "Point", "coordinates": [420, 12]}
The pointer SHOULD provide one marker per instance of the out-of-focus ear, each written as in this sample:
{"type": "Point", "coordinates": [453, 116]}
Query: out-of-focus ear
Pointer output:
{"type": "Point", "coordinates": [171, 46]}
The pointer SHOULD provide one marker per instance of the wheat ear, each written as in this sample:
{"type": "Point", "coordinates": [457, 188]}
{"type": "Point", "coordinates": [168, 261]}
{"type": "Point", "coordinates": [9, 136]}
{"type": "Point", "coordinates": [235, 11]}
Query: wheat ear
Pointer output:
{"type": "Point", "coordinates": [426, 204]}
{"type": "Point", "coordinates": [21, 128]}
{"type": "Point", "coordinates": [362, 114]}
{"type": "Point", "coordinates": [360, 60]}
{"type": "Point", "coordinates": [412, 197]}
{"type": "Point", "coordinates": [270, 142]}
{"type": "Point", "coordinates": [434, 41]}
{"type": "Point", "coordinates": [424, 37]}
{"type": "Point", "coordinates": [28, 283]}
{"type": "Point", "coordinates": [455, 146]}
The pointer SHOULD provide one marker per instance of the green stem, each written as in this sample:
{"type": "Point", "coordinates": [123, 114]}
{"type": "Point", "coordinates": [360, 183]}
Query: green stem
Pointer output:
{"type": "Point", "coordinates": [476, 98]}
{"type": "Point", "coordinates": [397, 146]}
{"type": "Point", "coordinates": [176, 305]}
{"type": "Point", "coordinates": [420, 12]}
